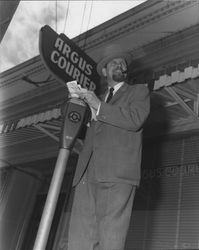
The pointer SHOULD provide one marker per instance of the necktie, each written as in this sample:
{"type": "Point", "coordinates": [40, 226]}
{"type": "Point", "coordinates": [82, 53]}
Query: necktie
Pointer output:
{"type": "Point", "coordinates": [110, 95]}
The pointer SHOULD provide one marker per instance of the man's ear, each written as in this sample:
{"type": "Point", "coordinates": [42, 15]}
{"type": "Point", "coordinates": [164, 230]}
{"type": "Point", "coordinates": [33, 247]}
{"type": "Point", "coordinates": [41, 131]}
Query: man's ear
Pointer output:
{"type": "Point", "coordinates": [104, 72]}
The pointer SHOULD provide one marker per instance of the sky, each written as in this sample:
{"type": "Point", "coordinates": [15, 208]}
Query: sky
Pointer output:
{"type": "Point", "coordinates": [20, 43]}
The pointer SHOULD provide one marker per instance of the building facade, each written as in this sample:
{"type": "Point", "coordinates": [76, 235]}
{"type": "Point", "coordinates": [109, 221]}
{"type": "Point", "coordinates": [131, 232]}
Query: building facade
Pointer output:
{"type": "Point", "coordinates": [162, 36]}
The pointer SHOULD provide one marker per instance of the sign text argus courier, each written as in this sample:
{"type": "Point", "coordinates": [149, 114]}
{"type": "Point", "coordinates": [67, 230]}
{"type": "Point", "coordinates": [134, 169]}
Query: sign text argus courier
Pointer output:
{"type": "Point", "coordinates": [73, 64]}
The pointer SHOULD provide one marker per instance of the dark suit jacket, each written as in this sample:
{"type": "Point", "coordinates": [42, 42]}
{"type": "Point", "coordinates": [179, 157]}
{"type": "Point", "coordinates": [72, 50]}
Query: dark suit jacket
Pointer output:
{"type": "Point", "coordinates": [116, 137]}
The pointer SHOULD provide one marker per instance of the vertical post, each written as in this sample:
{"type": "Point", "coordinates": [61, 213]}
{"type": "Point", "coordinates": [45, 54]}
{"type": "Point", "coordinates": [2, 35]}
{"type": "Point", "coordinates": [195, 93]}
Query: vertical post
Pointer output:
{"type": "Point", "coordinates": [51, 201]}
{"type": "Point", "coordinates": [75, 113]}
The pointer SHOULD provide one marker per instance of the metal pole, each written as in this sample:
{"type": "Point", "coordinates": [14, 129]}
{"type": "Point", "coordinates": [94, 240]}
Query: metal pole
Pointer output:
{"type": "Point", "coordinates": [74, 111]}
{"type": "Point", "coordinates": [51, 201]}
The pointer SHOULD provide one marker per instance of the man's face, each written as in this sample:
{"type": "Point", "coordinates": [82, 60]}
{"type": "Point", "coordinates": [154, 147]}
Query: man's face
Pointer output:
{"type": "Point", "coordinates": [116, 70]}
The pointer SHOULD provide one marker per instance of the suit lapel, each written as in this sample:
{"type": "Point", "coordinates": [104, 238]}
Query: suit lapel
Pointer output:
{"type": "Point", "coordinates": [104, 95]}
{"type": "Point", "coordinates": [114, 99]}
{"type": "Point", "coordinates": [119, 93]}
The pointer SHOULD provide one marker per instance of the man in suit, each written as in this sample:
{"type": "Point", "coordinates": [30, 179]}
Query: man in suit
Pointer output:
{"type": "Point", "coordinates": [108, 169]}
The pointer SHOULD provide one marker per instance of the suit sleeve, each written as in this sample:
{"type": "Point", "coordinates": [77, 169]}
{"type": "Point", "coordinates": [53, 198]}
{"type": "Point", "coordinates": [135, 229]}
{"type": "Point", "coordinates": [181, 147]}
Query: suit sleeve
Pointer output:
{"type": "Point", "coordinates": [130, 114]}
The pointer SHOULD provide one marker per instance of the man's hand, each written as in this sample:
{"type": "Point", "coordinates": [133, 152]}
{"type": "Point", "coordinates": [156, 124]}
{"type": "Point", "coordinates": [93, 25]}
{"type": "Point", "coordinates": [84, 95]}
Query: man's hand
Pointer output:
{"type": "Point", "coordinates": [92, 100]}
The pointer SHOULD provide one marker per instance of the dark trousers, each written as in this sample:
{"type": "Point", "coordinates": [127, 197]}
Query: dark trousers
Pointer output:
{"type": "Point", "coordinates": [100, 214]}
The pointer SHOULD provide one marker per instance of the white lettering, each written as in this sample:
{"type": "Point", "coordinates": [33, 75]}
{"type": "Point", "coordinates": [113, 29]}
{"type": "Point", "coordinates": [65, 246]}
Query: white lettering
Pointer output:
{"type": "Point", "coordinates": [88, 69]}
{"type": "Point", "coordinates": [53, 56]}
{"type": "Point", "coordinates": [70, 69]}
{"type": "Point", "coordinates": [76, 74]}
{"type": "Point", "coordinates": [86, 82]}
{"type": "Point", "coordinates": [82, 64]}
{"type": "Point", "coordinates": [81, 79]}
{"type": "Point", "coordinates": [74, 57]}
{"type": "Point", "coordinates": [62, 62]}
{"type": "Point", "coordinates": [66, 50]}
{"type": "Point", "coordinates": [59, 44]}
{"type": "Point", "coordinates": [92, 86]}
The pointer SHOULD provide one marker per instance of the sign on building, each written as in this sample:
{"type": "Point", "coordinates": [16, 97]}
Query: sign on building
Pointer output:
{"type": "Point", "coordinates": [66, 61]}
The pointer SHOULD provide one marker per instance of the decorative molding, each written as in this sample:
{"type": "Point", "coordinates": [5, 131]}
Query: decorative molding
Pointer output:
{"type": "Point", "coordinates": [116, 27]}
{"type": "Point", "coordinates": [177, 76]}
{"type": "Point", "coordinates": [50, 87]}
{"type": "Point", "coordinates": [41, 117]}
{"type": "Point", "coordinates": [106, 35]}
{"type": "Point", "coordinates": [27, 70]}
{"type": "Point", "coordinates": [190, 34]}
{"type": "Point", "coordinates": [37, 118]}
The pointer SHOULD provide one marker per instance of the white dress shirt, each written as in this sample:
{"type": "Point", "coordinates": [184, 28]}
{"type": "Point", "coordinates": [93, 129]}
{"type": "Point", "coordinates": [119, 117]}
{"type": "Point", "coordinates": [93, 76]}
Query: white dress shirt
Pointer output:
{"type": "Point", "coordinates": [116, 87]}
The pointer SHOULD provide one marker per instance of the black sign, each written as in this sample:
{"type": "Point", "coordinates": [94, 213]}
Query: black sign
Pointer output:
{"type": "Point", "coordinates": [66, 60]}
